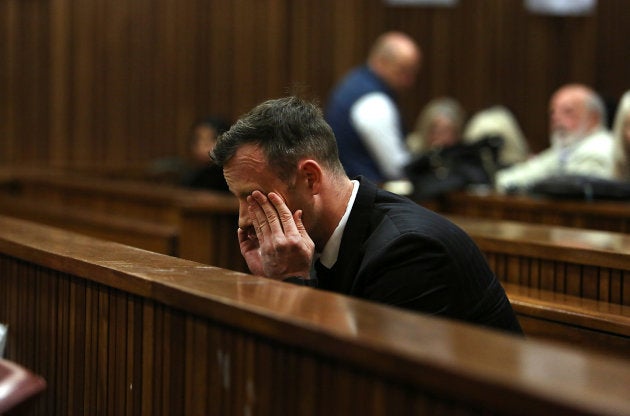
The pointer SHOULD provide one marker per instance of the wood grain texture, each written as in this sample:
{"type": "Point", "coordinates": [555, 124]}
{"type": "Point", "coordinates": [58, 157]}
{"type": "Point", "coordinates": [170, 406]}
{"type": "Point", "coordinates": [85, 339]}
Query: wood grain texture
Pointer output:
{"type": "Point", "coordinates": [90, 83]}
{"type": "Point", "coordinates": [565, 284]}
{"type": "Point", "coordinates": [116, 330]}
{"type": "Point", "coordinates": [193, 224]}
{"type": "Point", "coordinates": [589, 264]}
{"type": "Point", "coordinates": [596, 215]}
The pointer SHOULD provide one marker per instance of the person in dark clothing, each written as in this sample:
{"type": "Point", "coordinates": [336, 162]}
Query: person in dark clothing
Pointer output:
{"type": "Point", "coordinates": [303, 220]}
{"type": "Point", "coordinates": [201, 172]}
{"type": "Point", "coordinates": [194, 170]}
{"type": "Point", "coordinates": [443, 162]}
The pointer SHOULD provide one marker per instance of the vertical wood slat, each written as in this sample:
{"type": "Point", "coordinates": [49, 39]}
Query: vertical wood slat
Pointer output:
{"type": "Point", "coordinates": [91, 344]}
{"type": "Point", "coordinates": [239, 365]}
{"type": "Point", "coordinates": [626, 289]}
{"type": "Point", "coordinates": [148, 357]}
{"type": "Point", "coordinates": [250, 356]}
{"type": "Point", "coordinates": [60, 78]}
{"type": "Point", "coordinates": [589, 282]}
{"type": "Point", "coordinates": [596, 215]}
{"type": "Point", "coordinates": [77, 340]}
{"type": "Point", "coordinates": [91, 83]}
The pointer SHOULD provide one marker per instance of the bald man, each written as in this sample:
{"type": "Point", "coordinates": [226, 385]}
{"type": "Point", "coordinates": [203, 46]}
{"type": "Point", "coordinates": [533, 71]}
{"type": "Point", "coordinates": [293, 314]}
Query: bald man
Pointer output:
{"type": "Point", "coordinates": [580, 142]}
{"type": "Point", "coordinates": [363, 112]}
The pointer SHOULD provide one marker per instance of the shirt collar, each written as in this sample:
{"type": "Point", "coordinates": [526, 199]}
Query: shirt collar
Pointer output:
{"type": "Point", "coordinates": [329, 255]}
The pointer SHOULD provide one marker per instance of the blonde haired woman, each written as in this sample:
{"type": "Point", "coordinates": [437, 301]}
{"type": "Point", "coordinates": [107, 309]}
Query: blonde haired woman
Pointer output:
{"type": "Point", "coordinates": [439, 125]}
{"type": "Point", "coordinates": [500, 121]}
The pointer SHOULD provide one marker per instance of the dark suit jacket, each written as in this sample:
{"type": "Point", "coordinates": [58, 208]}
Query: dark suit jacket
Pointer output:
{"type": "Point", "coordinates": [393, 251]}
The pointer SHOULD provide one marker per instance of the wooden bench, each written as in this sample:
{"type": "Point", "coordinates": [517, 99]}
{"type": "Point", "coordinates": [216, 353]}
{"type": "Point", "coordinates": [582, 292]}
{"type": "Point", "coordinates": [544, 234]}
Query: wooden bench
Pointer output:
{"type": "Point", "coordinates": [206, 226]}
{"type": "Point", "coordinates": [595, 325]}
{"type": "Point", "coordinates": [565, 284]}
{"type": "Point", "coordinates": [585, 263]}
{"type": "Point", "coordinates": [116, 330]}
{"type": "Point", "coordinates": [131, 199]}
{"type": "Point", "coordinates": [153, 236]}
{"type": "Point", "coordinates": [597, 215]}
{"type": "Point", "coordinates": [204, 222]}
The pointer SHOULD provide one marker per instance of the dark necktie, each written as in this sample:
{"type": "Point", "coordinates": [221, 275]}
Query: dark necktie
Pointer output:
{"type": "Point", "coordinates": [324, 274]}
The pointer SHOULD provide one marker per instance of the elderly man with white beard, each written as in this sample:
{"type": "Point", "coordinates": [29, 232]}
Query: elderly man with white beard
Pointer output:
{"type": "Point", "coordinates": [580, 142]}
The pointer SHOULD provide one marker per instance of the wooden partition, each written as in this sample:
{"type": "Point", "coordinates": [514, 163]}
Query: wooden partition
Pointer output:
{"type": "Point", "coordinates": [586, 263]}
{"type": "Point", "coordinates": [597, 215]}
{"type": "Point", "coordinates": [118, 330]}
{"type": "Point", "coordinates": [128, 198]}
{"type": "Point", "coordinates": [193, 224]}
{"type": "Point", "coordinates": [566, 284]}
{"type": "Point", "coordinates": [150, 235]}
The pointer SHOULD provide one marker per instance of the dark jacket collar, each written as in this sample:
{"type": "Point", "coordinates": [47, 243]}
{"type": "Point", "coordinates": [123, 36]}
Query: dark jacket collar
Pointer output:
{"type": "Point", "coordinates": [356, 232]}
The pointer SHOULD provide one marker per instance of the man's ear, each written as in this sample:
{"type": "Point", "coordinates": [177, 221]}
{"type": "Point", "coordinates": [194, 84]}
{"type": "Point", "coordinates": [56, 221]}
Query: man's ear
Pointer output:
{"type": "Point", "coordinates": [310, 174]}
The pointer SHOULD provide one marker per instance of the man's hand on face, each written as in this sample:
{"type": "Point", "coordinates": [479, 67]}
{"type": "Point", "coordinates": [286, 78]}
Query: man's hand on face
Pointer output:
{"type": "Point", "coordinates": [281, 247]}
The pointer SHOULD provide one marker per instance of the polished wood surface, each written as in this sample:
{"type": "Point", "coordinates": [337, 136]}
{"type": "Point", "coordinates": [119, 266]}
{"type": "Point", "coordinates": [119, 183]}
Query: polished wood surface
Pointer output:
{"type": "Point", "coordinates": [119, 330]}
{"type": "Point", "coordinates": [149, 235]}
{"type": "Point", "coordinates": [193, 224]}
{"type": "Point", "coordinates": [585, 263]}
{"type": "Point", "coordinates": [610, 318]}
{"type": "Point", "coordinates": [571, 320]}
{"type": "Point", "coordinates": [597, 215]}
{"type": "Point", "coordinates": [565, 284]}
{"type": "Point", "coordinates": [130, 198]}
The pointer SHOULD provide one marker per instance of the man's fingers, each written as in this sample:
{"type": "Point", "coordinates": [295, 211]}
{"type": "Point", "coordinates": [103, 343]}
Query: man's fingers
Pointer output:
{"type": "Point", "coordinates": [269, 216]}
{"type": "Point", "coordinates": [284, 214]}
{"type": "Point", "coordinates": [299, 224]}
{"type": "Point", "coordinates": [256, 216]}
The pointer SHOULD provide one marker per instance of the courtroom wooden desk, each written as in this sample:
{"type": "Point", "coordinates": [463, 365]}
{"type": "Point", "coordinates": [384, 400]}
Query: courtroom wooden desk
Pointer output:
{"type": "Point", "coordinates": [594, 325]}
{"type": "Point", "coordinates": [585, 263]}
{"type": "Point", "coordinates": [148, 235]}
{"type": "Point", "coordinates": [129, 198]}
{"type": "Point", "coordinates": [205, 221]}
{"type": "Point", "coordinates": [566, 284]}
{"type": "Point", "coordinates": [206, 232]}
{"type": "Point", "coordinates": [119, 330]}
{"type": "Point", "coordinates": [598, 215]}
{"type": "Point", "coordinates": [208, 224]}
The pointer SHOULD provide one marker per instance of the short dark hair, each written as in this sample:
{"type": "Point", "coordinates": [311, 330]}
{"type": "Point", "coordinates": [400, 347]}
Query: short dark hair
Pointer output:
{"type": "Point", "coordinates": [287, 130]}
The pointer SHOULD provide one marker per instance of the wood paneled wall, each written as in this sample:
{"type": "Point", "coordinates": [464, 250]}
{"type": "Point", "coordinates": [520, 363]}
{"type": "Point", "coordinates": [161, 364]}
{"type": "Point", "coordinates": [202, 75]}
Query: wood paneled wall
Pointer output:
{"type": "Point", "coordinates": [95, 82]}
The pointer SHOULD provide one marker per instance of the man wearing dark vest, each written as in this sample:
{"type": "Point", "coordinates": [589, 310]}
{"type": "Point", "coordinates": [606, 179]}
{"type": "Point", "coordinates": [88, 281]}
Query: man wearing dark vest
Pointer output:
{"type": "Point", "coordinates": [363, 112]}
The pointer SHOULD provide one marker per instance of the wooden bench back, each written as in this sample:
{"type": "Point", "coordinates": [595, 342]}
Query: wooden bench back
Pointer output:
{"type": "Point", "coordinates": [118, 330]}
{"type": "Point", "coordinates": [584, 263]}
{"type": "Point", "coordinates": [132, 199]}
{"type": "Point", "coordinates": [148, 235]}
{"type": "Point", "coordinates": [565, 284]}
{"type": "Point", "coordinates": [204, 223]}
{"type": "Point", "coordinates": [596, 215]}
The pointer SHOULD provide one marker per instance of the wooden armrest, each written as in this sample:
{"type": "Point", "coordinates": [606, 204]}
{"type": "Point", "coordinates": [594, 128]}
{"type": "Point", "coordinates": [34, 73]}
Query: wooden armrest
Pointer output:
{"type": "Point", "coordinates": [573, 310]}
